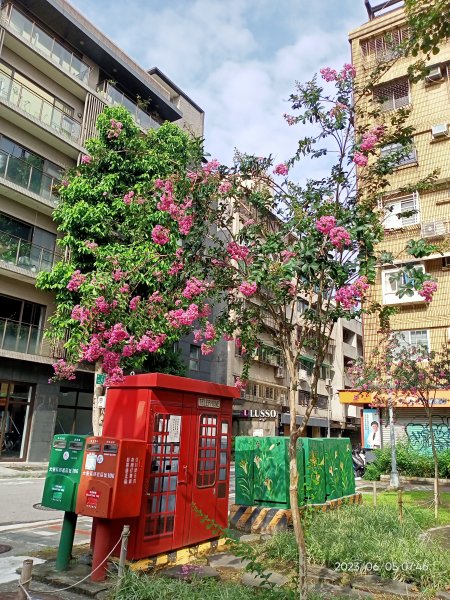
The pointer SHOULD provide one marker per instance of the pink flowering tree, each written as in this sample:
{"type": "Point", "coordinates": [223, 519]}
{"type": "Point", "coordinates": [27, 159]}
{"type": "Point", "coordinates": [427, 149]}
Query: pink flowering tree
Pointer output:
{"type": "Point", "coordinates": [397, 374]}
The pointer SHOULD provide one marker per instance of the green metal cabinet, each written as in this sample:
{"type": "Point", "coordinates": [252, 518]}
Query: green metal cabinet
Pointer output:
{"type": "Point", "coordinates": [64, 471]}
{"type": "Point", "coordinates": [244, 464]}
{"type": "Point", "coordinates": [315, 482]}
{"type": "Point", "coordinates": [347, 472]}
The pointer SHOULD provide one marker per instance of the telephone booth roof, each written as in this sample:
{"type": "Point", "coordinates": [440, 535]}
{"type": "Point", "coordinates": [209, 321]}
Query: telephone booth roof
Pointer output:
{"type": "Point", "coordinates": [173, 382]}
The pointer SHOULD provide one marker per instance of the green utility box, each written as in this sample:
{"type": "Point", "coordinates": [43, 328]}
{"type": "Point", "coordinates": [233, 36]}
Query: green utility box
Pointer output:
{"type": "Point", "coordinates": [325, 470]}
{"type": "Point", "coordinates": [64, 471]}
{"type": "Point", "coordinates": [262, 471]}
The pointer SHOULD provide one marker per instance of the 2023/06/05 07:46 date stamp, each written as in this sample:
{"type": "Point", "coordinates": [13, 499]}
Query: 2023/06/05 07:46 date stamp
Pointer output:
{"type": "Point", "coordinates": [373, 567]}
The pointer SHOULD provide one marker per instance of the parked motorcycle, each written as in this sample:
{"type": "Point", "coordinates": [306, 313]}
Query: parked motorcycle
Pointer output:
{"type": "Point", "coordinates": [359, 461]}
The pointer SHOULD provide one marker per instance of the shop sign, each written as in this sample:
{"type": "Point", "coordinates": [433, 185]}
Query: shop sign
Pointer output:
{"type": "Point", "coordinates": [261, 413]}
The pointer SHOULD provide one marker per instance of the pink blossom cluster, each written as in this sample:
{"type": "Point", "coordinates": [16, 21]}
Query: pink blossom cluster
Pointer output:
{"type": "Point", "coordinates": [281, 169]}
{"type": "Point", "coordinates": [128, 198]}
{"type": "Point", "coordinates": [155, 298]}
{"type": "Point", "coordinates": [290, 119]}
{"type": "Point", "coordinates": [328, 74]}
{"type": "Point", "coordinates": [90, 245]}
{"type": "Point", "coordinates": [102, 305]}
{"type": "Point", "coordinates": [238, 251]}
{"type": "Point", "coordinates": [241, 384]}
{"type": "Point", "coordinates": [360, 159]}
{"type": "Point", "coordinates": [211, 167]}
{"type": "Point", "coordinates": [210, 332]}
{"type": "Point", "coordinates": [325, 224]}
{"type": "Point", "coordinates": [198, 335]}
{"type": "Point", "coordinates": [76, 281]}
{"type": "Point", "coordinates": [134, 302]}
{"type": "Point", "coordinates": [225, 187]}
{"type": "Point", "coordinates": [348, 72]}
{"type": "Point", "coordinates": [248, 288]}
{"type": "Point", "coordinates": [178, 212]}
{"type": "Point", "coordinates": [116, 334]}
{"type": "Point", "coordinates": [340, 237]}
{"type": "Point", "coordinates": [160, 235]}
{"type": "Point", "coordinates": [115, 129]}
{"type": "Point", "coordinates": [180, 317]}
{"type": "Point", "coordinates": [350, 295]}
{"type": "Point", "coordinates": [150, 342]}
{"type": "Point", "coordinates": [86, 159]}
{"type": "Point", "coordinates": [118, 274]}
{"type": "Point", "coordinates": [176, 267]}
{"type": "Point", "coordinates": [81, 314]}
{"type": "Point", "coordinates": [338, 109]}
{"type": "Point", "coordinates": [428, 289]}
{"type": "Point", "coordinates": [207, 349]}
{"type": "Point", "coordinates": [194, 287]}
{"type": "Point", "coordinates": [63, 370]}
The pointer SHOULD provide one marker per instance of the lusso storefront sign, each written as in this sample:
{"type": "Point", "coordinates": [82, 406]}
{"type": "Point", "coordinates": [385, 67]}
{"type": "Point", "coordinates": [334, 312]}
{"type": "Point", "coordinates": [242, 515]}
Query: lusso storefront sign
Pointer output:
{"type": "Point", "coordinates": [259, 414]}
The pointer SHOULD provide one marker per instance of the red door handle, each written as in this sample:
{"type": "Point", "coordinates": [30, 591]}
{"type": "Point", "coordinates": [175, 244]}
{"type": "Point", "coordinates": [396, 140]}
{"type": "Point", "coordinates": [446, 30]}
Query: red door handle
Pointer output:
{"type": "Point", "coordinates": [185, 475]}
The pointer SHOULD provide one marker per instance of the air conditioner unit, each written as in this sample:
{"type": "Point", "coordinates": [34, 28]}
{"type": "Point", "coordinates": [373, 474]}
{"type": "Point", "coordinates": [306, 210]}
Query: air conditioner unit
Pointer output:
{"type": "Point", "coordinates": [434, 74]}
{"type": "Point", "coordinates": [282, 398]}
{"type": "Point", "coordinates": [279, 372]}
{"type": "Point", "coordinates": [439, 131]}
{"type": "Point", "coordinates": [433, 229]}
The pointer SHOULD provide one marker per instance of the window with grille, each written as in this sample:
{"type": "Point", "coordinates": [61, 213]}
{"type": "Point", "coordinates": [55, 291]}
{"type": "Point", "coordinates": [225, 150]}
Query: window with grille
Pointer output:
{"type": "Point", "coordinates": [392, 284]}
{"type": "Point", "coordinates": [408, 156]}
{"type": "Point", "coordinates": [392, 95]}
{"type": "Point", "coordinates": [207, 451]}
{"type": "Point", "coordinates": [163, 480]}
{"type": "Point", "coordinates": [386, 46]}
{"type": "Point", "coordinates": [414, 338]}
{"type": "Point", "coordinates": [400, 212]}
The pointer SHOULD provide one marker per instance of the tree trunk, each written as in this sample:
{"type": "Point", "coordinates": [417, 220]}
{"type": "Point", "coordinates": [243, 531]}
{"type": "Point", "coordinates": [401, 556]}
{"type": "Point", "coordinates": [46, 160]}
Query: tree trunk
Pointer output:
{"type": "Point", "coordinates": [97, 412]}
{"type": "Point", "coordinates": [395, 481]}
{"type": "Point", "coordinates": [437, 499]}
{"type": "Point", "coordinates": [293, 481]}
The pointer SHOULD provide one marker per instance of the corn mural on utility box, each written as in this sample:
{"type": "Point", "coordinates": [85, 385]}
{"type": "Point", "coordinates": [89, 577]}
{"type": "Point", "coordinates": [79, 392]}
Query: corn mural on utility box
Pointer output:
{"type": "Point", "coordinates": [262, 470]}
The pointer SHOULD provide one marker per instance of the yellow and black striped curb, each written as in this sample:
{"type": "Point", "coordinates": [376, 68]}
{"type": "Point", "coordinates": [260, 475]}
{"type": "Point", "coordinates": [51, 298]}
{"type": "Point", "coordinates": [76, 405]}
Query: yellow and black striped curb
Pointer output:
{"type": "Point", "coordinates": [178, 557]}
{"type": "Point", "coordinates": [261, 519]}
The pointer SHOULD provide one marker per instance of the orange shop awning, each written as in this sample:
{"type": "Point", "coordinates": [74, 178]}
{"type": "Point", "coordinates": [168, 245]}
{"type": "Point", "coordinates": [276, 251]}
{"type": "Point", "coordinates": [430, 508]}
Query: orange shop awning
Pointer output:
{"type": "Point", "coordinates": [441, 400]}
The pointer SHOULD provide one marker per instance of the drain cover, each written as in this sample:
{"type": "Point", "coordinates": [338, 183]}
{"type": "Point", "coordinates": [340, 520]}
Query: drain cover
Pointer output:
{"type": "Point", "coordinates": [40, 507]}
{"type": "Point", "coordinates": [4, 548]}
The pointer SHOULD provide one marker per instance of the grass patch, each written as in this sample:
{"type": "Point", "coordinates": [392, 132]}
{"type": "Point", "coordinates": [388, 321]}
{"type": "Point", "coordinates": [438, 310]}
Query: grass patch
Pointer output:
{"type": "Point", "coordinates": [151, 587]}
{"type": "Point", "coordinates": [357, 536]}
{"type": "Point", "coordinates": [418, 504]}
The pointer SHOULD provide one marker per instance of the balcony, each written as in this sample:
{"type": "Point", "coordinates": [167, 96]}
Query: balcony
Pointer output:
{"type": "Point", "coordinates": [44, 44]}
{"type": "Point", "coordinates": [20, 337]}
{"type": "Point", "coordinates": [111, 95]}
{"type": "Point", "coordinates": [16, 253]}
{"type": "Point", "coordinates": [19, 96]}
{"type": "Point", "coordinates": [22, 174]}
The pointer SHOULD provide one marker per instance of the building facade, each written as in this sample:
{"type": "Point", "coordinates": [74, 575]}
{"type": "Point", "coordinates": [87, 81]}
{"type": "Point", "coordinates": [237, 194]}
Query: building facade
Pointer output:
{"type": "Point", "coordinates": [424, 216]}
{"type": "Point", "coordinates": [57, 73]}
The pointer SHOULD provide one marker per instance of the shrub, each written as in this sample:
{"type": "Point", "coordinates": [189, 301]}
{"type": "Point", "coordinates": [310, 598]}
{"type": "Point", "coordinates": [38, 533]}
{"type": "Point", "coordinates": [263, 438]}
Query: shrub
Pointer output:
{"type": "Point", "coordinates": [410, 463]}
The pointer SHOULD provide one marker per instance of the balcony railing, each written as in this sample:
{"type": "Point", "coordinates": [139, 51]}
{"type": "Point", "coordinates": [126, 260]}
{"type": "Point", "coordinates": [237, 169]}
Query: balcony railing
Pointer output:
{"type": "Point", "coordinates": [20, 172]}
{"type": "Point", "coordinates": [46, 45]}
{"type": "Point", "coordinates": [19, 253]}
{"type": "Point", "coordinates": [113, 96]}
{"type": "Point", "coordinates": [19, 95]}
{"type": "Point", "coordinates": [20, 337]}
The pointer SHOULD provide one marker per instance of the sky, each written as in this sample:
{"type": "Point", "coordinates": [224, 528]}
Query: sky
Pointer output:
{"type": "Point", "coordinates": [237, 59]}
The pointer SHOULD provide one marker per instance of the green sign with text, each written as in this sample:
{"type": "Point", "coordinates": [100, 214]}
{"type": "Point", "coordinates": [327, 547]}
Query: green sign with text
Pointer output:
{"type": "Point", "coordinates": [100, 378]}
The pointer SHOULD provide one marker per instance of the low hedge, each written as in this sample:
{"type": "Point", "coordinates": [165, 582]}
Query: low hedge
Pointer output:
{"type": "Point", "coordinates": [410, 463]}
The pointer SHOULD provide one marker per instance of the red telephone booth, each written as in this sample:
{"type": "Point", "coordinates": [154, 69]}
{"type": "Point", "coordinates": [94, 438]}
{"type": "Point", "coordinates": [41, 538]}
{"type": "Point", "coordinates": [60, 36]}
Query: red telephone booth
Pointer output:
{"type": "Point", "coordinates": [186, 425]}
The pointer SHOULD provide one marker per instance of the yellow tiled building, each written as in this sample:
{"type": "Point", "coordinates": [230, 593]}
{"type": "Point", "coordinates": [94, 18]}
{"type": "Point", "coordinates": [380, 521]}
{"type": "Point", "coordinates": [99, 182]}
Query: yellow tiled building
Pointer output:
{"type": "Point", "coordinates": [429, 101]}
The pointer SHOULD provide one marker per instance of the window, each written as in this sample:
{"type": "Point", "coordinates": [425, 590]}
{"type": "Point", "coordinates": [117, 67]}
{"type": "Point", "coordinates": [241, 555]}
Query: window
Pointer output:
{"type": "Point", "coordinates": [384, 47]}
{"type": "Point", "coordinates": [194, 358]}
{"type": "Point", "coordinates": [401, 155]}
{"type": "Point", "coordinates": [207, 451]}
{"type": "Point", "coordinates": [74, 412]}
{"type": "Point", "coordinates": [307, 364]}
{"type": "Point", "coordinates": [326, 372]}
{"type": "Point", "coordinates": [399, 213]}
{"type": "Point", "coordinates": [392, 95]}
{"type": "Point", "coordinates": [413, 338]}
{"type": "Point", "coordinates": [391, 286]}
{"type": "Point", "coordinates": [302, 306]}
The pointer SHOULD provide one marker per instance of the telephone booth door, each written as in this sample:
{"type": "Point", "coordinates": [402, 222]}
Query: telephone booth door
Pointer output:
{"type": "Point", "coordinates": [187, 467]}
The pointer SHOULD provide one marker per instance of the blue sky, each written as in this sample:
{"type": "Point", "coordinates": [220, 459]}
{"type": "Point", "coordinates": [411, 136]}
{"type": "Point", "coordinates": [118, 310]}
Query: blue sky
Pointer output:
{"type": "Point", "coordinates": [238, 59]}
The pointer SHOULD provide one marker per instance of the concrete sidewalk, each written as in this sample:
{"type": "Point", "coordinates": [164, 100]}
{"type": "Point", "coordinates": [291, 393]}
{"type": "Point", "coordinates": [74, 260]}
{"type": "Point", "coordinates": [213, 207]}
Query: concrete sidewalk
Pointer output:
{"type": "Point", "coordinates": [23, 469]}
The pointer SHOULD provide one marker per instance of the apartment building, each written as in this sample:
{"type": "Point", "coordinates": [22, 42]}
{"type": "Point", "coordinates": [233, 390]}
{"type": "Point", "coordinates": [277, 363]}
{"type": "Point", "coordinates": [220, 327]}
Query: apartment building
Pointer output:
{"type": "Point", "coordinates": [426, 215]}
{"type": "Point", "coordinates": [57, 73]}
